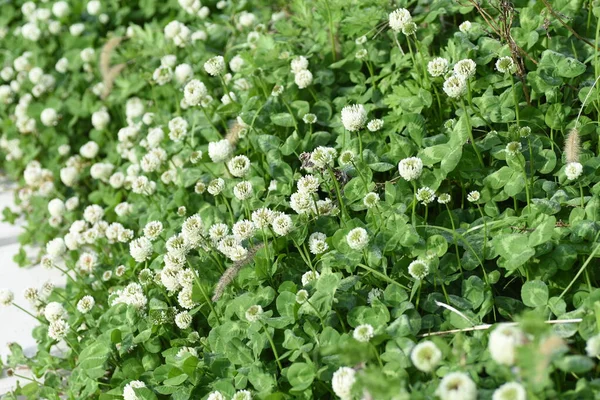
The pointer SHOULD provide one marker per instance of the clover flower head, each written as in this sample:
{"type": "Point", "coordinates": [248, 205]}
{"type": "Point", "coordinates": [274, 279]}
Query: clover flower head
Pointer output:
{"type": "Point", "coordinates": [354, 117]}
{"type": "Point", "coordinates": [418, 269]}
{"type": "Point", "coordinates": [410, 168]}
{"type": "Point", "coordinates": [505, 65]}
{"type": "Point", "coordinates": [363, 333]}
{"type": "Point", "coordinates": [399, 18]}
{"type": "Point", "coordinates": [455, 86]}
{"type": "Point", "coordinates": [510, 391]}
{"type": "Point", "coordinates": [426, 356]}
{"type": "Point", "coordinates": [457, 385]}
{"type": "Point", "coordinates": [254, 313]}
{"type": "Point", "coordinates": [573, 170]}
{"type": "Point", "coordinates": [473, 196]}
{"type": "Point", "coordinates": [503, 343]}
{"type": "Point", "coordinates": [342, 382]}
{"type": "Point", "coordinates": [215, 66]}
{"type": "Point", "coordinates": [437, 67]}
{"type": "Point", "coordinates": [357, 238]}
{"type": "Point", "coordinates": [425, 195]}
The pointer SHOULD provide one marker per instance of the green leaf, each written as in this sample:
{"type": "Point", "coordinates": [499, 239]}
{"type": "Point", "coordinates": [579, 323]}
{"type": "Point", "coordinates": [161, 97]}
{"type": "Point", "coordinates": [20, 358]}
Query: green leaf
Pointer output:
{"type": "Point", "coordinates": [301, 375]}
{"type": "Point", "coordinates": [561, 65]}
{"type": "Point", "coordinates": [534, 293]}
{"type": "Point", "coordinates": [576, 364]}
{"type": "Point", "coordinates": [514, 248]}
{"type": "Point", "coordinates": [283, 119]}
{"type": "Point", "coordinates": [93, 358]}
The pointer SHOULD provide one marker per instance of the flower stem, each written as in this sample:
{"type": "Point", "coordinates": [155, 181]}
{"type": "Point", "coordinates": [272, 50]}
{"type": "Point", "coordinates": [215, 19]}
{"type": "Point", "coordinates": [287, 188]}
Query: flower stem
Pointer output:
{"type": "Point", "coordinates": [470, 129]}
{"type": "Point", "coordinates": [272, 346]}
{"type": "Point", "coordinates": [382, 276]}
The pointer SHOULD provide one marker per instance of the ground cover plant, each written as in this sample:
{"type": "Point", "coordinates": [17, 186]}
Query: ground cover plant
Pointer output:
{"type": "Point", "coordinates": [321, 199]}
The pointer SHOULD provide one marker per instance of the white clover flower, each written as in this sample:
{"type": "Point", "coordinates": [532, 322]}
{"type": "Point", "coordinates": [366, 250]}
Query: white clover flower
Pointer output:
{"type": "Point", "coordinates": [410, 28]}
{"type": "Point", "coordinates": [426, 356]}
{"type": "Point", "coordinates": [49, 117]}
{"type": "Point", "coordinates": [371, 199]}
{"type": "Point", "coordinates": [194, 91]}
{"type": "Point", "coordinates": [503, 343]}
{"type": "Point", "coordinates": [465, 69]}
{"type": "Point", "coordinates": [162, 75]}
{"type": "Point", "coordinates": [58, 329]}
{"type": "Point", "coordinates": [89, 150]}
{"type": "Point", "coordinates": [76, 29]}
{"type": "Point", "coordinates": [153, 229]}
{"type": "Point", "coordinates": [455, 86]}
{"type": "Point", "coordinates": [282, 224]}
{"type": "Point", "coordinates": [457, 386]}
{"type": "Point", "coordinates": [54, 311]}
{"type": "Point", "coordinates": [85, 304]}
{"type": "Point", "coordinates": [183, 73]}
{"type": "Point", "coordinates": [243, 190]}
{"type": "Point", "coordinates": [317, 243]}
{"type": "Point", "coordinates": [360, 54]}
{"type": "Point", "coordinates": [410, 168]}
{"type": "Point", "coordinates": [342, 381]}
{"type": "Point", "coordinates": [425, 195]}
{"type": "Point", "coordinates": [510, 391]}
{"type": "Point", "coordinates": [444, 198]}
{"type": "Point", "coordinates": [374, 125]}
{"type": "Point", "coordinates": [363, 333]}
{"type": "Point", "coordinates": [254, 313]}
{"type": "Point", "coordinates": [573, 170]}
{"type": "Point", "coordinates": [465, 27]}
{"type": "Point", "coordinates": [309, 277]}
{"type": "Point", "coordinates": [239, 166]}
{"type": "Point", "coordinates": [56, 207]}
{"type": "Point", "coordinates": [374, 294]}
{"type": "Point", "coordinates": [505, 65]}
{"type": "Point", "coordinates": [437, 67]}
{"type": "Point", "coordinates": [418, 269]}
{"type": "Point", "coordinates": [236, 63]}
{"type": "Point", "coordinates": [87, 54]}
{"type": "Point", "coordinates": [303, 79]}
{"type": "Point", "coordinates": [6, 297]}
{"type": "Point", "coordinates": [185, 350]}
{"type": "Point", "coordinates": [178, 129]}
{"type": "Point", "coordinates": [243, 229]}
{"type": "Point", "coordinates": [242, 395]}
{"type": "Point", "coordinates": [215, 66]}
{"type": "Point", "coordinates": [93, 7]}
{"type": "Point", "coordinates": [323, 157]}
{"type": "Point", "coordinates": [399, 18]}
{"type": "Point", "coordinates": [263, 217]}
{"type": "Point", "coordinates": [354, 117]}
{"type": "Point", "coordinates": [183, 320]}
{"type": "Point", "coordinates": [216, 186]}
{"type": "Point", "coordinates": [56, 248]}
{"type": "Point", "coordinates": [309, 118]}
{"type": "Point", "coordinates": [357, 238]}
{"type": "Point", "coordinates": [178, 245]}
{"type": "Point", "coordinates": [129, 392]}
{"type": "Point", "coordinates": [302, 202]}
{"type": "Point", "coordinates": [140, 249]}
{"type": "Point", "coordinates": [473, 196]}
{"type": "Point", "coordinates": [216, 396]}
{"type": "Point", "coordinates": [513, 148]}
{"type": "Point", "coordinates": [93, 213]}
{"type": "Point", "coordinates": [299, 64]}
{"type": "Point", "coordinates": [220, 151]}
{"type": "Point", "coordinates": [302, 296]}
{"type": "Point", "coordinates": [60, 9]}
{"type": "Point", "coordinates": [185, 298]}
{"type": "Point", "coordinates": [100, 119]}
{"type": "Point", "coordinates": [592, 347]}
{"type": "Point", "coordinates": [277, 90]}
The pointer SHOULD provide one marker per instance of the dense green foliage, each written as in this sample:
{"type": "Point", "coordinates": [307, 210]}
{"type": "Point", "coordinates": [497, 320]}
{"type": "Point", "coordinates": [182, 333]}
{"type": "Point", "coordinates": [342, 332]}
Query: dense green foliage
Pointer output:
{"type": "Point", "coordinates": [385, 197]}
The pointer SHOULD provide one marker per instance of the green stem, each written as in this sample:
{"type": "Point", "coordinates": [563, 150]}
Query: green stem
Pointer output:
{"type": "Point", "coordinates": [382, 276]}
{"type": "Point", "coordinates": [515, 100]}
{"type": "Point", "coordinates": [272, 346]}
{"type": "Point", "coordinates": [454, 238]}
{"type": "Point", "coordinates": [470, 129]}
{"type": "Point", "coordinates": [582, 269]}
{"type": "Point", "coordinates": [331, 33]}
